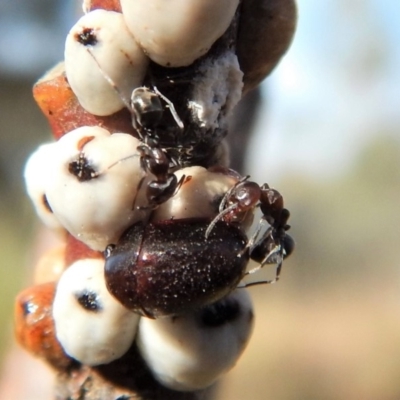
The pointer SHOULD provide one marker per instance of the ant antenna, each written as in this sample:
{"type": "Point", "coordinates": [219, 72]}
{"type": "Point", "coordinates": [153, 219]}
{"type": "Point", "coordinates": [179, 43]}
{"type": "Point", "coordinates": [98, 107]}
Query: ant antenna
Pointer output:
{"type": "Point", "coordinates": [83, 171]}
{"type": "Point", "coordinates": [171, 107]}
{"type": "Point", "coordinates": [111, 82]}
{"type": "Point", "coordinates": [222, 209]}
{"type": "Point", "coordinates": [221, 214]}
{"type": "Point", "coordinates": [128, 104]}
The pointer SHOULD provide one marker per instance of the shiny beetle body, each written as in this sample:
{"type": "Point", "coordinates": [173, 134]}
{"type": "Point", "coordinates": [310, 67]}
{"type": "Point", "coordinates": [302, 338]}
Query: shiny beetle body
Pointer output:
{"type": "Point", "coordinates": [169, 267]}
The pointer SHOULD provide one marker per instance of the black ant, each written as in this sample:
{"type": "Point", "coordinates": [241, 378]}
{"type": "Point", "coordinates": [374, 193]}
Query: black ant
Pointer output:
{"type": "Point", "coordinates": [274, 244]}
{"type": "Point", "coordinates": [154, 160]}
{"type": "Point", "coordinates": [146, 109]}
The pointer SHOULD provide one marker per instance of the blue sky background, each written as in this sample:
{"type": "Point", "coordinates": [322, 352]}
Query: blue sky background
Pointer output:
{"type": "Point", "coordinates": [338, 85]}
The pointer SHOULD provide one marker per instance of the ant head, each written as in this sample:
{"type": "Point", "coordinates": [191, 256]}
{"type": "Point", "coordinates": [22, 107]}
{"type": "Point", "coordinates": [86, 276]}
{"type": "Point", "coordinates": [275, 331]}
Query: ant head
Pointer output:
{"type": "Point", "coordinates": [146, 107]}
{"type": "Point", "coordinates": [240, 198]}
{"type": "Point", "coordinates": [245, 195]}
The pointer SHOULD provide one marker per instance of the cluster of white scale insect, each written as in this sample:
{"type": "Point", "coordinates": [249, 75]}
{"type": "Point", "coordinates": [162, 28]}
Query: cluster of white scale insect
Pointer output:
{"type": "Point", "coordinates": [92, 184]}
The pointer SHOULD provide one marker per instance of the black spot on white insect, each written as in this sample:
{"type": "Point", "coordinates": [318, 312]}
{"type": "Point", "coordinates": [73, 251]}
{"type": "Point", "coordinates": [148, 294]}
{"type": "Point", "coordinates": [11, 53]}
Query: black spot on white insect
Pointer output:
{"type": "Point", "coordinates": [82, 169]}
{"type": "Point", "coordinates": [89, 301]}
{"type": "Point", "coordinates": [87, 37]}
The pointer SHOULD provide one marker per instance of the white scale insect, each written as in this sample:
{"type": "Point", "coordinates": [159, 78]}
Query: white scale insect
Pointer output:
{"type": "Point", "coordinates": [88, 191]}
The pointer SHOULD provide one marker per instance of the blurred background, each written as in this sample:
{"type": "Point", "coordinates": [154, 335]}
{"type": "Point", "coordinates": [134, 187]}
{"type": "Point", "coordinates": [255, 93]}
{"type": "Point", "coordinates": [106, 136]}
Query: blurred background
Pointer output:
{"type": "Point", "coordinates": [328, 138]}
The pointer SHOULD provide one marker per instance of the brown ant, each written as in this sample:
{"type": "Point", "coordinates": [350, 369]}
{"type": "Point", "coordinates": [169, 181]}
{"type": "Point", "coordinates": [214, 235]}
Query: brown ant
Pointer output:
{"type": "Point", "coordinates": [274, 244]}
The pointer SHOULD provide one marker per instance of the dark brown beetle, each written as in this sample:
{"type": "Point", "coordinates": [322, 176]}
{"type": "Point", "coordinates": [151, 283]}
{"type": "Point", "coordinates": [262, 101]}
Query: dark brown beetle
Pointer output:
{"type": "Point", "coordinates": [169, 267]}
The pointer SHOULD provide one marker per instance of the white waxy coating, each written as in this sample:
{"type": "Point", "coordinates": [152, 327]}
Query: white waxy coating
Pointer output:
{"type": "Point", "coordinates": [217, 87]}
{"type": "Point", "coordinates": [104, 73]}
{"type": "Point", "coordinates": [186, 354]}
{"type": "Point", "coordinates": [91, 325]}
{"type": "Point", "coordinates": [96, 211]}
{"type": "Point", "coordinates": [36, 176]}
{"type": "Point", "coordinates": [175, 33]}
{"type": "Point", "coordinates": [200, 196]}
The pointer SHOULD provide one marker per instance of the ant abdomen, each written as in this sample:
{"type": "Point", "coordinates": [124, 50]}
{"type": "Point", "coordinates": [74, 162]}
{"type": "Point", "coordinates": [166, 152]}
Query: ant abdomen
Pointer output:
{"type": "Point", "coordinates": [263, 251]}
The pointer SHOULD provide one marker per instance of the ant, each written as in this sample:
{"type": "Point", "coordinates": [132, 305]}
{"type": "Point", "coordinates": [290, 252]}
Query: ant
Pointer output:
{"type": "Point", "coordinates": [164, 186]}
{"type": "Point", "coordinates": [274, 244]}
{"type": "Point", "coordinates": [147, 110]}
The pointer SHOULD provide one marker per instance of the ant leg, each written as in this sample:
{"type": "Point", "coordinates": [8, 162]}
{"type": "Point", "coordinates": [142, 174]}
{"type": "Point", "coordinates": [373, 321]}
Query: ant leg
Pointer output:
{"type": "Point", "coordinates": [277, 249]}
{"type": "Point", "coordinates": [96, 174]}
{"type": "Point", "coordinates": [137, 192]}
{"type": "Point", "coordinates": [263, 282]}
{"type": "Point", "coordinates": [254, 236]}
{"type": "Point", "coordinates": [181, 181]}
{"type": "Point", "coordinates": [171, 108]}
{"type": "Point", "coordinates": [219, 217]}
{"type": "Point", "coordinates": [126, 102]}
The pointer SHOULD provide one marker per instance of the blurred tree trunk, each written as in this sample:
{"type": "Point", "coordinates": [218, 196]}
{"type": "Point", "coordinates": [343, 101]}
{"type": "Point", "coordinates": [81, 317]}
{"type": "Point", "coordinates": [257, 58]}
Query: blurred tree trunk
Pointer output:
{"type": "Point", "coordinates": [241, 127]}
